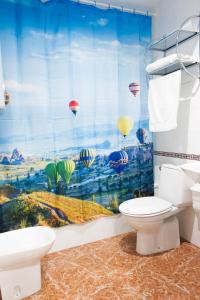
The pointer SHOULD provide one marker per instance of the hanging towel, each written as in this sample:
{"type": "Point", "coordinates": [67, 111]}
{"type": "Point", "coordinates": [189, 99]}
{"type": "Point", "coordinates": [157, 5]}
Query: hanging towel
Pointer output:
{"type": "Point", "coordinates": [163, 102]}
{"type": "Point", "coordinates": [2, 86]}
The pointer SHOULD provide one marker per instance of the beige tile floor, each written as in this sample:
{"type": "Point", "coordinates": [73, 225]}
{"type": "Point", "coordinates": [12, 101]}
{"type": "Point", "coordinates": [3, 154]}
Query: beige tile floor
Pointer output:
{"type": "Point", "coordinates": [111, 269]}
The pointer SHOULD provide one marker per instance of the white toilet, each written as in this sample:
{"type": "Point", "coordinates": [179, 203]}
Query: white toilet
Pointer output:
{"type": "Point", "coordinates": [20, 254]}
{"type": "Point", "coordinates": [155, 218]}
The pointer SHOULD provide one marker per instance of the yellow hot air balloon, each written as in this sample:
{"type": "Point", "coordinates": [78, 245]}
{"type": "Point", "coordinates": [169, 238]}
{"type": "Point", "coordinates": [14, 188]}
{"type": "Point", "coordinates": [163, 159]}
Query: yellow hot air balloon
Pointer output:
{"type": "Point", "coordinates": [125, 124]}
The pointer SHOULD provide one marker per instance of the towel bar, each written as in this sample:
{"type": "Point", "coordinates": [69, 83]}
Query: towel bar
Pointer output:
{"type": "Point", "coordinates": [177, 44]}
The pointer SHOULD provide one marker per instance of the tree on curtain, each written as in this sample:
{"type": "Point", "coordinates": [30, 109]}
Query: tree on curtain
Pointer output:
{"type": "Point", "coordinates": [74, 137]}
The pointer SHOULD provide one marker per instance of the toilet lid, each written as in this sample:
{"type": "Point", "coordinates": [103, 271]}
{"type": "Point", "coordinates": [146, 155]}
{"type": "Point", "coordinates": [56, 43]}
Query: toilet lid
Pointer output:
{"type": "Point", "coordinates": [146, 206]}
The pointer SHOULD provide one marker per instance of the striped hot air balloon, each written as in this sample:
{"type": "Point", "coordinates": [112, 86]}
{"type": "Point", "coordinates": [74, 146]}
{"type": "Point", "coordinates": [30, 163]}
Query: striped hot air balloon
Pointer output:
{"type": "Point", "coordinates": [87, 156]}
{"type": "Point", "coordinates": [118, 160]}
{"type": "Point", "coordinates": [74, 106]}
{"type": "Point", "coordinates": [134, 88]}
{"type": "Point", "coordinates": [65, 169]}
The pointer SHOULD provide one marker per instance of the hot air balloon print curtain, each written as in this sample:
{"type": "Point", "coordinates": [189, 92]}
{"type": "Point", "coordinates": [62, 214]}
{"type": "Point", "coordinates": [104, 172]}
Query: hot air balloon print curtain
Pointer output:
{"type": "Point", "coordinates": [74, 137]}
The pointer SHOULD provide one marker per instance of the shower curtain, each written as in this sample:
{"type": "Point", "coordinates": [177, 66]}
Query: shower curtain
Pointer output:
{"type": "Point", "coordinates": [74, 139]}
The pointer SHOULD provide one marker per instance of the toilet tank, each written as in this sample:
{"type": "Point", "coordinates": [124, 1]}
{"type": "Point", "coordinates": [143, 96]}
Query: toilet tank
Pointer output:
{"type": "Point", "coordinates": [174, 185]}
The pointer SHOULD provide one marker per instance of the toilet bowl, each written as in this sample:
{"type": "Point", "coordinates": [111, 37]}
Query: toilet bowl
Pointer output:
{"type": "Point", "coordinates": [155, 218]}
{"type": "Point", "coordinates": [20, 254]}
{"type": "Point", "coordinates": [158, 229]}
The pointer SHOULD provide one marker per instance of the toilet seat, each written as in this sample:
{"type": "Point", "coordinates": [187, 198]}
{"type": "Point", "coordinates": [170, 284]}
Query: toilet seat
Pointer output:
{"type": "Point", "coordinates": [145, 207]}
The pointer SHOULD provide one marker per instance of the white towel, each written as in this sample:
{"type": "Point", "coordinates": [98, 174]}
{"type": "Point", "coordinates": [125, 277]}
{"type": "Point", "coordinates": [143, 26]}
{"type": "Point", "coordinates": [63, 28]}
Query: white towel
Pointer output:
{"type": "Point", "coordinates": [2, 86]}
{"type": "Point", "coordinates": [165, 62]}
{"type": "Point", "coordinates": [163, 102]}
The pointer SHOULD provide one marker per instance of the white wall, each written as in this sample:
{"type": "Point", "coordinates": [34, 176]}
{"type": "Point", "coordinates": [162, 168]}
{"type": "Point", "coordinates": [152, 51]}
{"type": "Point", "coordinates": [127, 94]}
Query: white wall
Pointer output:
{"type": "Point", "coordinates": [186, 138]}
{"type": "Point", "coordinates": [75, 235]}
{"type": "Point", "coordinates": [171, 13]}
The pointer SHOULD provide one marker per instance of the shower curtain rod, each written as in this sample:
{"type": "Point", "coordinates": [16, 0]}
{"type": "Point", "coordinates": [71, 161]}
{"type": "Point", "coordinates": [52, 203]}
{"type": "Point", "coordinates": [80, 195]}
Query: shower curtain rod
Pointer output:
{"type": "Point", "coordinates": [110, 6]}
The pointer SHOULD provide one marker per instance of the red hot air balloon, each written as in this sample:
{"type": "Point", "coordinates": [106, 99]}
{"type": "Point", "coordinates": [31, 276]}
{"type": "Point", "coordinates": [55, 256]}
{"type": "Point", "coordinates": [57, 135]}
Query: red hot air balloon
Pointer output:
{"type": "Point", "coordinates": [134, 88]}
{"type": "Point", "coordinates": [74, 106]}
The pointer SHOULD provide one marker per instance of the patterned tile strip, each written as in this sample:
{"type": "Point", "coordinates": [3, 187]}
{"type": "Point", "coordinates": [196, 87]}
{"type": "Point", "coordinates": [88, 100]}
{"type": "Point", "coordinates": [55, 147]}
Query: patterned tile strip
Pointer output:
{"type": "Point", "coordinates": [177, 155]}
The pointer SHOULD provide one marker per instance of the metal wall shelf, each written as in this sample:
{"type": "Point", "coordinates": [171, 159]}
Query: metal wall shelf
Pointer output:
{"type": "Point", "coordinates": [169, 41]}
{"type": "Point", "coordinates": [173, 40]}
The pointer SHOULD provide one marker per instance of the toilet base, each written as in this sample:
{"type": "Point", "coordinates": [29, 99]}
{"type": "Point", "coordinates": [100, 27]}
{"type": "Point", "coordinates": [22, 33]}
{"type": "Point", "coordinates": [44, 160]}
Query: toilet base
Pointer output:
{"type": "Point", "coordinates": [164, 237]}
{"type": "Point", "coordinates": [20, 282]}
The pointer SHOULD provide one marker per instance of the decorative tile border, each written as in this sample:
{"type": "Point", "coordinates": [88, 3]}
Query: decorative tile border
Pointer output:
{"type": "Point", "coordinates": [178, 155]}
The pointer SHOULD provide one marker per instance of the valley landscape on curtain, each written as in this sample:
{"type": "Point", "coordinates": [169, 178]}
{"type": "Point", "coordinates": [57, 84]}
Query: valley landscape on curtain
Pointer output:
{"type": "Point", "coordinates": [74, 139]}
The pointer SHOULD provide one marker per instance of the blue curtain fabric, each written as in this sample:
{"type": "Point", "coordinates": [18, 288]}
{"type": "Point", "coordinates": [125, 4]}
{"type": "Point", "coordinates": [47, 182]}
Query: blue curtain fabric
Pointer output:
{"type": "Point", "coordinates": [74, 137]}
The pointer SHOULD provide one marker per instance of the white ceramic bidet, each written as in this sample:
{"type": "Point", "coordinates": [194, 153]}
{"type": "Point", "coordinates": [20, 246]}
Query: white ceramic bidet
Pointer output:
{"type": "Point", "coordinates": [20, 254]}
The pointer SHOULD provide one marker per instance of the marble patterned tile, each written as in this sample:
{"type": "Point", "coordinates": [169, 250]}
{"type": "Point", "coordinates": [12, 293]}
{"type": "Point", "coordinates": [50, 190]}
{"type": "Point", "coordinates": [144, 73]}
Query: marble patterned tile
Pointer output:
{"type": "Point", "coordinates": [111, 269]}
